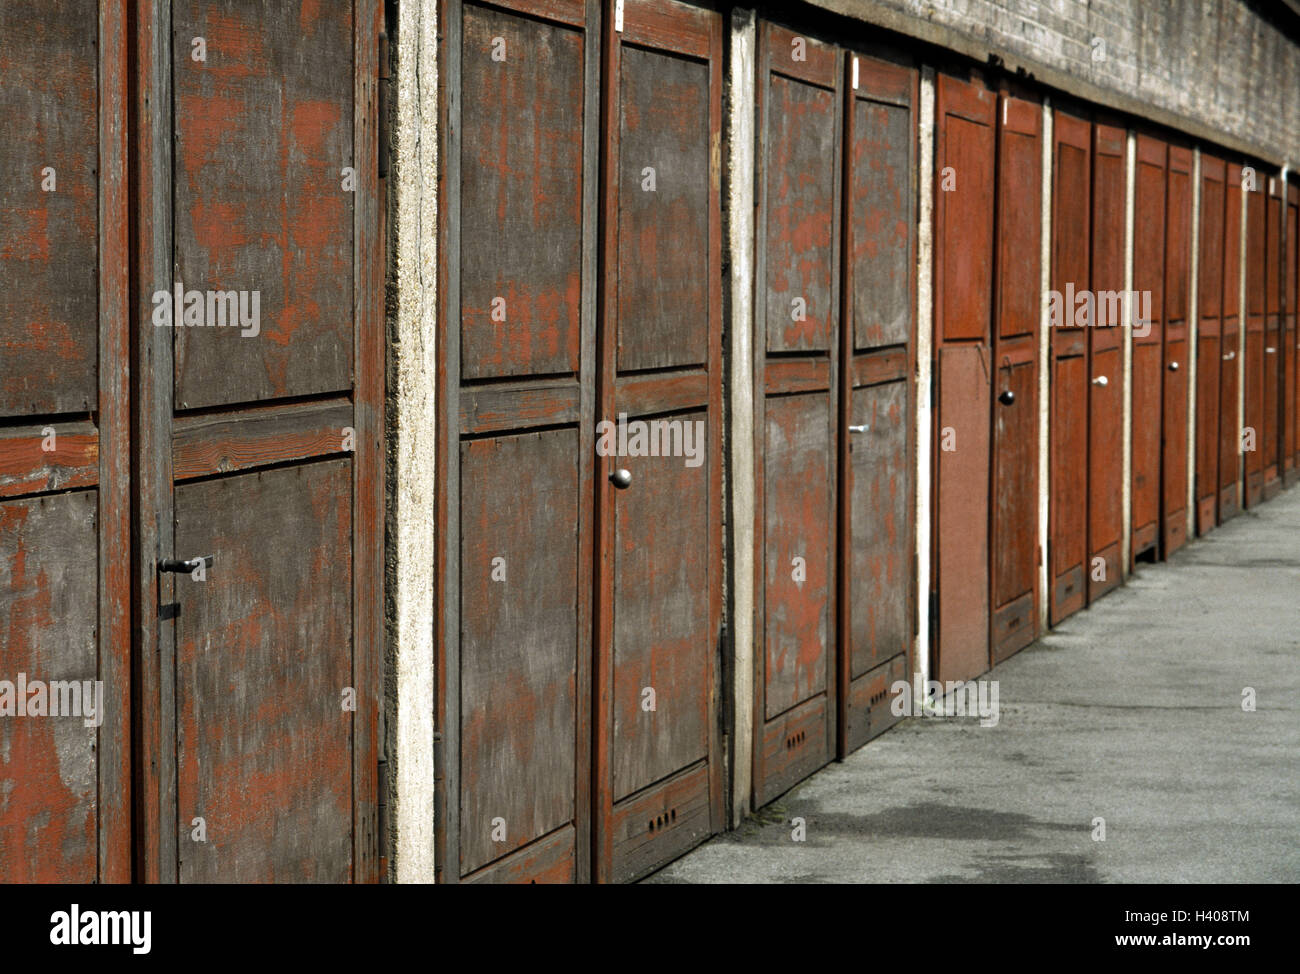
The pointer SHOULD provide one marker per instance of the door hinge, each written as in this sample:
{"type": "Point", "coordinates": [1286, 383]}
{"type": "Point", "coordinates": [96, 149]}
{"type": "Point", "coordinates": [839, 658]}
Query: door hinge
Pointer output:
{"type": "Point", "coordinates": [385, 82]}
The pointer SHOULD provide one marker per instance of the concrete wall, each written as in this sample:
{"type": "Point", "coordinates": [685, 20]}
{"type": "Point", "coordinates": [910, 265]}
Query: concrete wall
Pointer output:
{"type": "Point", "coordinates": [1217, 69]}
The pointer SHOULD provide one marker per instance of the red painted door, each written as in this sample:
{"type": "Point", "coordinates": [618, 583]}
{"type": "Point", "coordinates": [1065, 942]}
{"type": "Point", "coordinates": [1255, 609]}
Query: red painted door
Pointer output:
{"type": "Point", "coordinates": [1274, 253]}
{"type": "Point", "coordinates": [878, 403]}
{"type": "Point", "coordinates": [965, 160]}
{"type": "Point", "coordinates": [261, 445]}
{"type": "Point", "coordinates": [1230, 462]}
{"type": "Point", "coordinates": [796, 405]}
{"type": "Point", "coordinates": [1290, 349]}
{"type": "Point", "coordinates": [515, 570]}
{"type": "Point", "coordinates": [1014, 509]}
{"type": "Point", "coordinates": [1209, 341]}
{"type": "Point", "coordinates": [1253, 433]}
{"type": "Point", "coordinates": [65, 616]}
{"type": "Point", "coordinates": [1072, 310]}
{"type": "Point", "coordinates": [1178, 260]}
{"type": "Point", "coordinates": [1148, 364]}
{"type": "Point", "coordinates": [1106, 388]}
{"type": "Point", "coordinates": [659, 610]}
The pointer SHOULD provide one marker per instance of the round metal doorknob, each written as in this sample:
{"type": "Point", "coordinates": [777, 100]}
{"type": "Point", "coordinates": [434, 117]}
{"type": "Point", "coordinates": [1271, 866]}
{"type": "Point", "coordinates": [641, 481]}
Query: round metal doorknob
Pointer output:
{"type": "Point", "coordinates": [1270, 350]}
{"type": "Point", "coordinates": [858, 429]}
{"type": "Point", "coordinates": [1173, 366]}
{"type": "Point", "coordinates": [621, 478]}
{"type": "Point", "coordinates": [1232, 355]}
{"type": "Point", "coordinates": [1101, 380]}
{"type": "Point", "coordinates": [1006, 397]}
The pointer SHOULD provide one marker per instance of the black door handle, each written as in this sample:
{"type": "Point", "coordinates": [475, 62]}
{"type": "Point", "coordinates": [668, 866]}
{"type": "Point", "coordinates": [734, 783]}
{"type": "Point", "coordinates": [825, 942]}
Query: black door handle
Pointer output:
{"type": "Point", "coordinates": [179, 567]}
{"type": "Point", "coordinates": [1006, 397]}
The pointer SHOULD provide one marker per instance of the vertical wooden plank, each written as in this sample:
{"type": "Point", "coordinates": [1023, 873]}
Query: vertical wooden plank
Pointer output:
{"type": "Point", "coordinates": [1230, 496]}
{"type": "Point", "coordinates": [1209, 342]}
{"type": "Point", "coordinates": [1106, 388]}
{"type": "Point", "coordinates": [1177, 366]}
{"type": "Point", "coordinates": [1148, 344]}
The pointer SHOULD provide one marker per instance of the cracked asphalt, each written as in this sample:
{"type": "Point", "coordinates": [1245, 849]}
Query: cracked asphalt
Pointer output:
{"type": "Point", "coordinates": [1130, 711]}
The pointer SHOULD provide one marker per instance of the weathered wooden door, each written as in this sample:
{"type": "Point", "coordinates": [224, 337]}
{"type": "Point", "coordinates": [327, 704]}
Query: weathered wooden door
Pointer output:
{"type": "Point", "coordinates": [1173, 430]}
{"type": "Point", "coordinates": [1013, 578]}
{"type": "Point", "coordinates": [1290, 350]}
{"type": "Point", "coordinates": [965, 162]}
{"type": "Point", "coordinates": [877, 345]}
{"type": "Point", "coordinates": [1209, 340]}
{"type": "Point", "coordinates": [518, 189]}
{"type": "Point", "coordinates": [1072, 311]}
{"type": "Point", "coordinates": [659, 609]}
{"type": "Point", "coordinates": [796, 373]}
{"type": "Point", "coordinates": [260, 405]}
{"type": "Point", "coordinates": [1106, 390]}
{"type": "Point", "coordinates": [1148, 321]}
{"type": "Point", "coordinates": [1256, 291]}
{"type": "Point", "coordinates": [1271, 438]}
{"type": "Point", "coordinates": [1230, 497]}
{"type": "Point", "coordinates": [65, 616]}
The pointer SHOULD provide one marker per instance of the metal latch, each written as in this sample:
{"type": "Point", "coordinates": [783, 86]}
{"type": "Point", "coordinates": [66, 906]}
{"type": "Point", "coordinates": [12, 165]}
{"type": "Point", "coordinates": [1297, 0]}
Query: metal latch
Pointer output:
{"type": "Point", "coordinates": [186, 567]}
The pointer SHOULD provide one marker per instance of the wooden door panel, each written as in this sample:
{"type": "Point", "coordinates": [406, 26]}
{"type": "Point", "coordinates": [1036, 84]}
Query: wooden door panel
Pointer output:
{"type": "Point", "coordinates": [1231, 352]}
{"type": "Point", "coordinates": [258, 179]}
{"type": "Point", "coordinates": [521, 270]}
{"type": "Point", "coordinates": [1273, 368]}
{"type": "Point", "coordinates": [1150, 219]}
{"type": "Point", "coordinates": [967, 270]}
{"type": "Point", "coordinates": [798, 455]}
{"type": "Point", "coordinates": [1107, 390]}
{"type": "Point", "coordinates": [663, 233]}
{"type": "Point", "coordinates": [49, 812]}
{"type": "Point", "coordinates": [883, 220]}
{"type": "Point", "coordinates": [50, 249]}
{"type": "Point", "coordinates": [1288, 346]}
{"type": "Point", "coordinates": [796, 365]}
{"type": "Point", "coordinates": [1069, 444]}
{"type": "Point", "coordinates": [1015, 506]}
{"type": "Point", "coordinates": [881, 556]}
{"type": "Point", "coordinates": [1105, 456]}
{"type": "Point", "coordinates": [1255, 311]}
{"type": "Point", "coordinates": [800, 265]}
{"type": "Point", "coordinates": [260, 141]}
{"type": "Point", "coordinates": [1070, 385]}
{"type": "Point", "coordinates": [519, 643]}
{"type": "Point", "coordinates": [65, 504]}
{"type": "Point", "coordinates": [874, 590]}
{"type": "Point", "coordinates": [661, 619]}
{"type": "Point", "coordinates": [658, 761]}
{"type": "Point", "coordinates": [1174, 448]}
{"type": "Point", "coordinates": [515, 574]}
{"type": "Point", "coordinates": [263, 662]}
{"type": "Point", "coordinates": [1209, 342]}
{"type": "Point", "coordinates": [1014, 513]}
{"type": "Point", "coordinates": [963, 487]}
{"type": "Point", "coordinates": [965, 167]}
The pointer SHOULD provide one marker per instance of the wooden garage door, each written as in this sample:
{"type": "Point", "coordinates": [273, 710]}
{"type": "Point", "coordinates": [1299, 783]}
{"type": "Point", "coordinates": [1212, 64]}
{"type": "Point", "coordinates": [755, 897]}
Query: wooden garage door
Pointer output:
{"type": "Point", "coordinates": [65, 813]}
{"type": "Point", "coordinates": [659, 612]}
{"type": "Point", "coordinates": [517, 381]}
{"type": "Point", "coordinates": [1148, 280]}
{"type": "Point", "coordinates": [1106, 389]}
{"type": "Point", "coordinates": [1178, 260]}
{"type": "Point", "coordinates": [1290, 350]}
{"type": "Point", "coordinates": [1013, 585]}
{"type": "Point", "coordinates": [965, 154]}
{"type": "Point", "coordinates": [1209, 341]}
{"type": "Point", "coordinates": [1068, 504]}
{"type": "Point", "coordinates": [796, 359]}
{"type": "Point", "coordinates": [1230, 497]}
{"type": "Point", "coordinates": [1271, 438]}
{"type": "Point", "coordinates": [878, 496]}
{"type": "Point", "coordinates": [260, 440]}
{"type": "Point", "coordinates": [1253, 435]}
{"type": "Point", "coordinates": [567, 755]}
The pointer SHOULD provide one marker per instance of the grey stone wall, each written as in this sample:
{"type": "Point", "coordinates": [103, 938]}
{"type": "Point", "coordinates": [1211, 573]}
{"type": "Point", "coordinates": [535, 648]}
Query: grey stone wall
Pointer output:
{"type": "Point", "coordinates": [1221, 70]}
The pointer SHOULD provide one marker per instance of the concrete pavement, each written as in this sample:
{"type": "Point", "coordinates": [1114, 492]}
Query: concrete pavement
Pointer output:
{"type": "Point", "coordinates": [1130, 711]}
